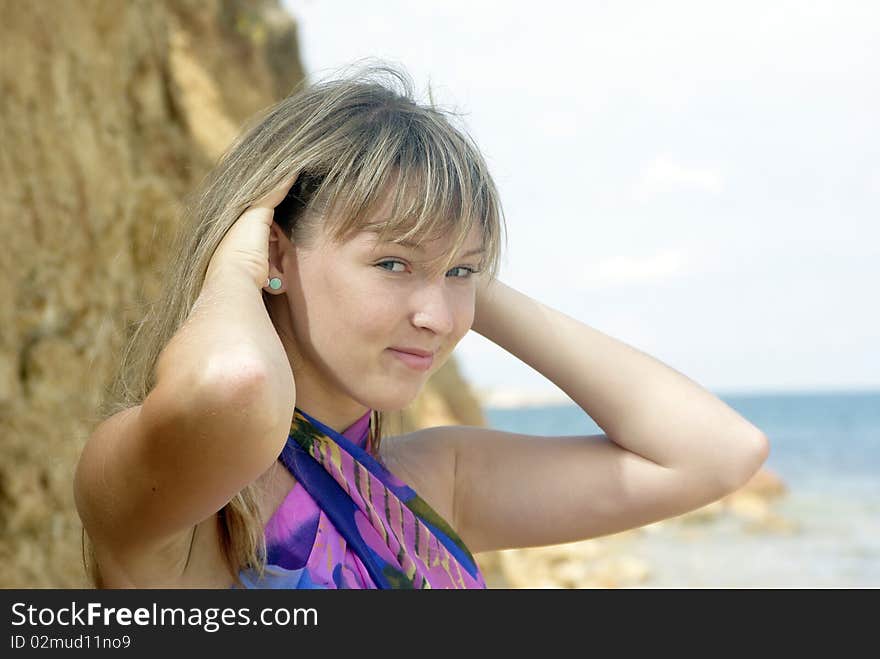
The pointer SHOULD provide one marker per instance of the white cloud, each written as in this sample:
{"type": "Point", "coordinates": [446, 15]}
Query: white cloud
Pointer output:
{"type": "Point", "coordinates": [665, 175]}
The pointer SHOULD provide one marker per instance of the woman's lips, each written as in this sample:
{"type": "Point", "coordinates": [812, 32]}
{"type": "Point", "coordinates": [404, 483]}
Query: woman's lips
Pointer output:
{"type": "Point", "coordinates": [413, 361]}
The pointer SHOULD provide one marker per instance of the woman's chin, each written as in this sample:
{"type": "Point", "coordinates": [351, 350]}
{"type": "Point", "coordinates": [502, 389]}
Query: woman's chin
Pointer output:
{"type": "Point", "coordinates": [393, 401]}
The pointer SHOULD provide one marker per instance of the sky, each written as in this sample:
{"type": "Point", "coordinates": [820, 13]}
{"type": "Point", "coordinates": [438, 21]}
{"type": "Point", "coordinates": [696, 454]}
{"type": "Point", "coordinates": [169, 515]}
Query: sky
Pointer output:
{"type": "Point", "coordinates": [698, 180]}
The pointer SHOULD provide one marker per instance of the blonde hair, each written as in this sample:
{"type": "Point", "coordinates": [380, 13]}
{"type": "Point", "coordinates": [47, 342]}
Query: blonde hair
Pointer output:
{"type": "Point", "coordinates": [352, 140]}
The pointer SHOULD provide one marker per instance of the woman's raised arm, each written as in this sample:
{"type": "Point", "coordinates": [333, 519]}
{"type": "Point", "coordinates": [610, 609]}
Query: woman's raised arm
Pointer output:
{"type": "Point", "coordinates": [669, 445]}
{"type": "Point", "coordinates": [642, 404]}
{"type": "Point", "coordinates": [216, 419]}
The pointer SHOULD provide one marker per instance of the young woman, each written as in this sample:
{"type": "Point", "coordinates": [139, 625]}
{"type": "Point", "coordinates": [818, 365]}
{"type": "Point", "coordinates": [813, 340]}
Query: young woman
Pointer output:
{"type": "Point", "coordinates": [332, 261]}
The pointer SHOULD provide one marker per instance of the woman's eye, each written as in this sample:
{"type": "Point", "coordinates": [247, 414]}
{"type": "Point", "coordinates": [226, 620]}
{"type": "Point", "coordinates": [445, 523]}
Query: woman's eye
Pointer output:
{"type": "Point", "coordinates": [468, 272]}
{"type": "Point", "coordinates": [393, 263]}
{"type": "Point", "coordinates": [465, 269]}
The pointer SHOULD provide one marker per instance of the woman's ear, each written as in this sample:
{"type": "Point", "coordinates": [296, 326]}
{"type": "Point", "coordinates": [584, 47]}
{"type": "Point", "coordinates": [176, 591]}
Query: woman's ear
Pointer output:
{"type": "Point", "coordinates": [278, 245]}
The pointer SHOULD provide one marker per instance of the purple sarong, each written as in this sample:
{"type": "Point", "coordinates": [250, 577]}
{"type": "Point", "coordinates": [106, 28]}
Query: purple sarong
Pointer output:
{"type": "Point", "coordinates": [350, 523]}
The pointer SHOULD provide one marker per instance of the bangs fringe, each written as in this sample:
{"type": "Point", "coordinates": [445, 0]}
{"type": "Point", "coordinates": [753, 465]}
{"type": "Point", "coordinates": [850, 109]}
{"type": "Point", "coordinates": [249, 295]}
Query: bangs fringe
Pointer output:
{"type": "Point", "coordinates": [436, 192]}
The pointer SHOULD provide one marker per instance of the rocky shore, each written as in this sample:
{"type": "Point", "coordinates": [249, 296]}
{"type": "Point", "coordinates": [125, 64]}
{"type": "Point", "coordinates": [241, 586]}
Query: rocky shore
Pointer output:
{"type": "Point", "coordinates": [605, 562]}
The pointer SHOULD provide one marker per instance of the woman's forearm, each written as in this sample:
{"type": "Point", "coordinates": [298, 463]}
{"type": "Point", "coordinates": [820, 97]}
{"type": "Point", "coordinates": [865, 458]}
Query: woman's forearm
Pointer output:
{"type": "Point", "coordinates": [228, 341]}
{"type": "Point", "coordinates": [640, 403]}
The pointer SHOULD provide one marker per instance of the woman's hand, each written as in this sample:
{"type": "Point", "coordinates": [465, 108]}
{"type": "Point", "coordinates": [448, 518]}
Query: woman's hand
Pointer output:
{"type": "Point", "coordinates": [245, 247]}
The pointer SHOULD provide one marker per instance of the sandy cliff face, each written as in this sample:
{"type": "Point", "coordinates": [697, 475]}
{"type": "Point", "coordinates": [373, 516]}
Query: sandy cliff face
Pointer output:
{"type": "Point", "coordinates": [111, 112]}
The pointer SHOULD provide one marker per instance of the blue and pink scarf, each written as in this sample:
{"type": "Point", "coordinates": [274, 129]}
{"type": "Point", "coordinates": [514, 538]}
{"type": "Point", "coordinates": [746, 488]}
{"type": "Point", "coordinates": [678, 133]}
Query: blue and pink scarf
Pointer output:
{"type": "Point", "coordinates": [350, 523]}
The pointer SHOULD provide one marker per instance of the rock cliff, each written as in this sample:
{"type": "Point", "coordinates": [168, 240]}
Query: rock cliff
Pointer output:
{"type": "Point", "coordinates": [111, 112]}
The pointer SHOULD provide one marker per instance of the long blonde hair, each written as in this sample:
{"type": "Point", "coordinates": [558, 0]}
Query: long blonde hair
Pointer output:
{"type": "Point", "coordinates": [351, 138]}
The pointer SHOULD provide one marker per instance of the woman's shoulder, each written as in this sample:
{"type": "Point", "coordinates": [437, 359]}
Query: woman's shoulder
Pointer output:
{"type": "Point", "coordinates": [425, 460]}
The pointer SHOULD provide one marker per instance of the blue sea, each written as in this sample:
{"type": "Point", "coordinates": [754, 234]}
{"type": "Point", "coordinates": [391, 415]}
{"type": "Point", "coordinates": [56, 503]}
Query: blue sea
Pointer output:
{"type": "Point", "coordinates": [824, 446]}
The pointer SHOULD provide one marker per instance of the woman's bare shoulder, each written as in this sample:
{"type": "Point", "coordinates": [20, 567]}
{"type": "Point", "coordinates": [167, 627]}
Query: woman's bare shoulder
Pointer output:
{"type": "Point", "coordinates": [425, 460]}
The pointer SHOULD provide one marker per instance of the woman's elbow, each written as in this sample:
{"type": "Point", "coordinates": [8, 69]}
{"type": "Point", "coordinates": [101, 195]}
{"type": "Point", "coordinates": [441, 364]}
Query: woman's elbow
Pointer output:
{"type": "Point", "coordinates": [754, 453]}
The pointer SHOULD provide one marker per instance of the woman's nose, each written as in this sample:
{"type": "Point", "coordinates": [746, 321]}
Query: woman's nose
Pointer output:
{"type": "Point", "coordinates": [434, 310]}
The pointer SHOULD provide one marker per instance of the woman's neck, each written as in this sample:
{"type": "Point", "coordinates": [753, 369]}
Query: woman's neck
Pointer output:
{"type": "Point", "coordinates": [336, 417]}
{"type": "Point", "coordinates": [315, 395]}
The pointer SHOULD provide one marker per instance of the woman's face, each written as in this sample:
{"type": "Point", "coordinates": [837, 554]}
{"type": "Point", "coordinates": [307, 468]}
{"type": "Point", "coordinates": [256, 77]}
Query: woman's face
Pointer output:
{"type": "Point", "coordinates": [349, 304]}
